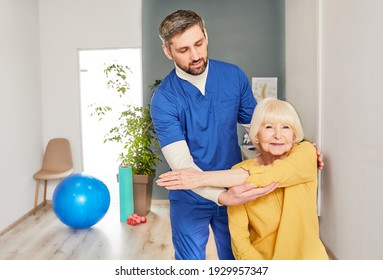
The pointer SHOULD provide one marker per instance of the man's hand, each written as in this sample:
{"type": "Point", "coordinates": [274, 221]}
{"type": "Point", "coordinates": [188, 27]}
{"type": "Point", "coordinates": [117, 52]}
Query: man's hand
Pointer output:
{"type": "Point", "coordinates": [320, 159]}
{"type": "Point", "coordinates": [244, 193]}
{"type": "Point", "coordinates": [180, 179]}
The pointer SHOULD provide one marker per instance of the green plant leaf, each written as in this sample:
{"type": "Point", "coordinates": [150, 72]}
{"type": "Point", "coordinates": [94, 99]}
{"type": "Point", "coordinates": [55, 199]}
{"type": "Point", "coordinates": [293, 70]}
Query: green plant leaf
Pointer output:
{"type": "Point", "coordinates": [135, 128]}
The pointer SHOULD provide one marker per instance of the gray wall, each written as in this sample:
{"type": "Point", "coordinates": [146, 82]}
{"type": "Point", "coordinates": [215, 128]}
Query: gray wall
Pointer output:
{"type": "Point", "coordinates": [246, 32]}
{"type": "Point", "coordinates": [352, 58]}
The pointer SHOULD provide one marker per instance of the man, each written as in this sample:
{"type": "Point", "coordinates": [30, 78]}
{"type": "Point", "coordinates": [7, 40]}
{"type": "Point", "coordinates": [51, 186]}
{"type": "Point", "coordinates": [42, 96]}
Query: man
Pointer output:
{"type": "Point", "coordinates": [195, 111]}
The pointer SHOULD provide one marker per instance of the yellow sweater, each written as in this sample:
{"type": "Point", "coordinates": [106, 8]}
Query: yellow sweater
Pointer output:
{"type": "Point", "coordinates": [283, 224]}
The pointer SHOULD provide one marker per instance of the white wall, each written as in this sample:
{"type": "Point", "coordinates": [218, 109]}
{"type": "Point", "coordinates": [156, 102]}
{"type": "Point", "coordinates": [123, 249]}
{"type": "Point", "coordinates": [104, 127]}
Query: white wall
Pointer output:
{"type": "Point", "coordinates": [21, 143]}
{"type": "Point", "coordinates": [66, 27]}
{"type": "Point", "coordinates": [351, 90]}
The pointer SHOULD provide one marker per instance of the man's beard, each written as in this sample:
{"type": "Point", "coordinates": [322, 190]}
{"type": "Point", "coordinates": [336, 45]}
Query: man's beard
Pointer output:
{"type": "Point", "coordinates": [195, 72]}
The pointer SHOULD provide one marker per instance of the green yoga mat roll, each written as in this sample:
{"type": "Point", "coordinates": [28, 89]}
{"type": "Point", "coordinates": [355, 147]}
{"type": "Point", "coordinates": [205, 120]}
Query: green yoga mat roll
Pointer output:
{"type": "Point", "coordinates": [125, 179]}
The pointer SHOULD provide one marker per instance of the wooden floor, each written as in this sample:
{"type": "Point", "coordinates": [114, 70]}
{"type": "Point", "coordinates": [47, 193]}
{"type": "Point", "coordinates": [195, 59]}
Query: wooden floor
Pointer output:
{"type": "Point", "coordinates": [45, 237]}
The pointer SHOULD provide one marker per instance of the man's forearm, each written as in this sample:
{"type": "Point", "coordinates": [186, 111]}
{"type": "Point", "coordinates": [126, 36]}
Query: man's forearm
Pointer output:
{"type": "Point", "coordinates": [178, 156]}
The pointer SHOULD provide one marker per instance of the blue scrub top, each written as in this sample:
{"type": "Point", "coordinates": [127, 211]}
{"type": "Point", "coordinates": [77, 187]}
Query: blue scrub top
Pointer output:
{"type": "Point", "coordinates": [208, 123]}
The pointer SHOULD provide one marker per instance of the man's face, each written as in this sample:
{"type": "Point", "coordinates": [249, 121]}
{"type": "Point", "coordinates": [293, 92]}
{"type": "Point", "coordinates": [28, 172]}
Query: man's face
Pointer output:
{"type": "Point", "coordinates": [189, 50]}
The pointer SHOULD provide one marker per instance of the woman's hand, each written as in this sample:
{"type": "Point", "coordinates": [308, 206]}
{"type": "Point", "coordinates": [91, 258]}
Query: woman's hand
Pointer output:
{"type": "Point", "coordinates": [181, 179]}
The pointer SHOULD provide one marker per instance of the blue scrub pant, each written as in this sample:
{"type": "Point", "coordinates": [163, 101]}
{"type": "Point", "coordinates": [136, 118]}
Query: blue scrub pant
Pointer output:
{"type": "Point", "coordinates": [190, 217]}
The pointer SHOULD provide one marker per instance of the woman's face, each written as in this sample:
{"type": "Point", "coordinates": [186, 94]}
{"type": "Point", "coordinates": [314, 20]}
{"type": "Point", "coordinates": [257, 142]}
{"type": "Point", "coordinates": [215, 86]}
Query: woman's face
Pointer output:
{"type": "Point", "coordinates": [189, 50]}
{"type": "Point", "coordinates": [276, 138]}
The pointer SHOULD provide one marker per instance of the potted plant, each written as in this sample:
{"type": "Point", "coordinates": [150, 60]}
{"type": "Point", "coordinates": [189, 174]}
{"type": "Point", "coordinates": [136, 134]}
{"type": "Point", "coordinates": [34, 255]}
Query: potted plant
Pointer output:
{"type": "Point", "coordinates": [135, 131]}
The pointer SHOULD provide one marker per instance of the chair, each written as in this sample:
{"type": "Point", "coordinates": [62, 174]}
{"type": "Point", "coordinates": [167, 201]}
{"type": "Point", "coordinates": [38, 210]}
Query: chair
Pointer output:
{"type": "Point", "coordinates": [57, 164]}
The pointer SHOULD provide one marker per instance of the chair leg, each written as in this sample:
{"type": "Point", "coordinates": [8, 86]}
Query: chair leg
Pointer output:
{"type": "Point", "coordinates": [45, 192]}
{"type": "Point", "coordinates": [36, 196]}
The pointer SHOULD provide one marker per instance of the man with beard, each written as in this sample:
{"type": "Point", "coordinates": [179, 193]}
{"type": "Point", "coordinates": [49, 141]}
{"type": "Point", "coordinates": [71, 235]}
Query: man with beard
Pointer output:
{"type": "Point", "coordinates": [195, 111]}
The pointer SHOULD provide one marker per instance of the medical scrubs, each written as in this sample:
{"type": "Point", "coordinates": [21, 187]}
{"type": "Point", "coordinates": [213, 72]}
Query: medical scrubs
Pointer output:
{"type": "Point", "coordinates": [208, 124]}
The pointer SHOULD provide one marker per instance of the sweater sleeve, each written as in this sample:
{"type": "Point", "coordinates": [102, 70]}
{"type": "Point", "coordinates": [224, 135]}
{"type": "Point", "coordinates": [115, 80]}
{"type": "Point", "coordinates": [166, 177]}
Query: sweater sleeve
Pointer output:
{"type": "Point", "coordinates": [239, 229]}
{"type": "Point", "coordinates": [299, 166]}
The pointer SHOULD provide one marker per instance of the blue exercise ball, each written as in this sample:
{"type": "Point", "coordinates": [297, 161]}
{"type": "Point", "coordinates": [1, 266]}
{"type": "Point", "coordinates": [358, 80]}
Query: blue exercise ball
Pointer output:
{"type": "Point", "coordinates": [80, 200]}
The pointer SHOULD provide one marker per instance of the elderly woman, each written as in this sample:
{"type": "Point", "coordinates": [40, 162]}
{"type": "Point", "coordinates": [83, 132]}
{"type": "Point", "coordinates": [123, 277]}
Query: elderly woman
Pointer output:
{"type": "Point", "coordinates": [284, 223]}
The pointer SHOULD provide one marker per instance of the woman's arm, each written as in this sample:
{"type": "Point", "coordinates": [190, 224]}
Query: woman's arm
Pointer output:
{"type": "Point", "coordinates": [240, 235]}
{"type": "Point", "coordinates": [298, 167]}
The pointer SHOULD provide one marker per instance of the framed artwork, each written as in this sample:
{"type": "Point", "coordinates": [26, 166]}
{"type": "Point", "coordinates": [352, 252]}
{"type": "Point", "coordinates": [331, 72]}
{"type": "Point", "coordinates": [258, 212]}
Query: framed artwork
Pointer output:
{"type": "Point", "coordinates": [264, 87]}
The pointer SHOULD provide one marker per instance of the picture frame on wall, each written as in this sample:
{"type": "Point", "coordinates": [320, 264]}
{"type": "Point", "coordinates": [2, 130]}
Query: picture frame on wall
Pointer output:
{"type": "Point", "coordinates": [264, 87]}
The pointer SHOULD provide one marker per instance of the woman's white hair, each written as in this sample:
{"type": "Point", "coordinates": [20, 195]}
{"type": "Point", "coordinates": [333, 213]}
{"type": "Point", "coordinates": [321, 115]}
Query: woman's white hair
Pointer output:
{"type": "Point", "coordinates": [272, 110]}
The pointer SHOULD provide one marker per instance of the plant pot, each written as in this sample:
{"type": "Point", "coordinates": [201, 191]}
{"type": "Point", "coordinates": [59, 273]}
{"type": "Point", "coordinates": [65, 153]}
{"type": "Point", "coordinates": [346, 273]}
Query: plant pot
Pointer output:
{"type": "Point", "coordinates": [142, 190]}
